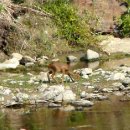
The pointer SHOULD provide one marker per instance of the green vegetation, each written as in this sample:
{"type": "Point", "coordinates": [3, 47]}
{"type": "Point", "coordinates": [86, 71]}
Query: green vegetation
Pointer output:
{"type": "Point", "coordinates": [125, 21]}
{"type": "Point", "coordinates": [1, 7]}
{"type": "Point", "coordinates": [70, 25]}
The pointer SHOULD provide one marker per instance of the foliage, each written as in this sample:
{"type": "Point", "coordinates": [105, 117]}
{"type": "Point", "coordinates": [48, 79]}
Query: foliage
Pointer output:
{"type": "Point", "coordinates": [1, 7]}
{"type": "Point", "coordinates": [71, 26]}
{"type": "Point", "coordinates": [124, 25]}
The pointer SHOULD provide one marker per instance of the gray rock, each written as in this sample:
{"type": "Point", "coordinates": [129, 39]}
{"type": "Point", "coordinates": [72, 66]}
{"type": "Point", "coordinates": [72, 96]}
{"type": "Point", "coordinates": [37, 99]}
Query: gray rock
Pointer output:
{"type": "Point", "coordinates": [72, 58]}
{"type": "Point", "coordinates": [117, 93]}
{"type": "Point", "coordinates": [42, 77]}
{"type": "Point", "coordinates": [126, 81]}
{"type": "Point", "coordinates": [27, 60]}
{"type": "Point", "coordinates": [107, 90]}
{"type": "Point", "coordinates": [52, 92]}
{"type": "Point", "coordinates": [86, 71]}
{"type": "Point", "coordinates": [83, 94]}
{"type": "Point", "coordinates": [58, 98]}
{"type": "Point", "coordinates": [13, 104]}
{"type": "Point", "coordinates": [92, 96]}
{"type": "Point", "coordinates": [118, 76]}
{"type": "Point", "coordinates": [90, 55]}
{"type": "Point", "coordinates": [21, 97]}
{"type": "Point", "coordinates": [11, 63]}
{"type": "Point", "coordinates": [42, 60]}
{"type": "Point", "coordinates": [69, 96]}
{"type": "Point", "coordinates": [117, 86]}
{"type": "Point", "coordinates": [53, 105]}
{"type": "Point", "coordinates": [42, 87]}
{"type": "Point", "coordinates": [85, 77]}
{"type": "Point", "coordinates": [5, 90]}
{"type": "Point", "coordinates": [17, 56]}
{"type": "Point", "coordinates": [83, 103]}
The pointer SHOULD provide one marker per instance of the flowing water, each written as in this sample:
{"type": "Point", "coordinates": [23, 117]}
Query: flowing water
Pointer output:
{"type": "Point", "coordinates": [104, 115]}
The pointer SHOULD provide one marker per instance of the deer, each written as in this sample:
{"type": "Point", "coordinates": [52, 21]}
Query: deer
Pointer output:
{"type": "Point", "coordinates": [59, 67]}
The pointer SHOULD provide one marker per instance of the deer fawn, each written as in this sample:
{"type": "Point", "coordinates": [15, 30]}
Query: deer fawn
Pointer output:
{"type": "Point", "coordinates": [56, 67]}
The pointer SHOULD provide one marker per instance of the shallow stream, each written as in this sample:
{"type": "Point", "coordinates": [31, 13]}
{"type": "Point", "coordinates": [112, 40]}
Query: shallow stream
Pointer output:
{"type": "Point", "coordinates": [104, 115]}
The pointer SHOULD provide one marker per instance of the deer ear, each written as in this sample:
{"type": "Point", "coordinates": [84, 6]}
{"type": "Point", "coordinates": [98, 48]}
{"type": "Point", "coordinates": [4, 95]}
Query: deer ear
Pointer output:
{"type": "Point", "coordinates": [67, 59]}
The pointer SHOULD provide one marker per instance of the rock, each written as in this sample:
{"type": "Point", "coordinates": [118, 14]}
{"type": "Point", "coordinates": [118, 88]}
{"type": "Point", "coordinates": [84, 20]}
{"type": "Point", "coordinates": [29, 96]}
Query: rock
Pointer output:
{"type": "Point", "coordinates": [17, 56]}
{"type": "Point", "coordinates": [52, 92]}
{"type": "Point", "coordinates": [83, 94]}
{"type": "Point", "coordinates": [42, 60]}
{"type": "Point", "coordinates": [83, 103]}
{"type": "Point", "coordinates": [42, 88]}
{"type": "Point", "coordinates": [126, 81]}
{"type": "Point", "coordinates": [1, 98]}
{"type": "Point", "coordinates": [5, 91]}
{"type": "Point", "coordinates": [107, 90]}
{"type": "Point", "coordinates": [26, 60]}
{"type": "Point", "coordinates": [115, 45]}
{"type": "Point", "coordinates": [29, 64]}
{"type": "Point", "coordinates": [42, 77]}
{"type": "Point", "coordinates": [93, 65]}
{"type": "Point", "coordinates": [53, 105]}
{"type": "Point", "coordinates": [125, 69]}
{"type": "Point", "coordinates": [69, 96]}
{"type": "Point", "coordinates": [118, 76]}
{"type": "Point", "coordinates": [85, 77]}
{"type": "Point", "coordinates": [72, 58]}
{"type": "Point", "coordinates": [118, 93]}
{"type": "Point", "coordinates": [9, 64]}
{"type": "Point", "coordinates": [118, 86]}
{"type": "Point", "coordinates": [90, 56]}
{"type": "Point", "coordinates": [13, 104]}
{"type": "Point", "coordinates": [86, 71]}
{"type": "Point", "coordinates": [92, 96]}
{"type": "Point", "coordinates": [58, 98]}
{"type": "Point", "coordinates": [21, 97]}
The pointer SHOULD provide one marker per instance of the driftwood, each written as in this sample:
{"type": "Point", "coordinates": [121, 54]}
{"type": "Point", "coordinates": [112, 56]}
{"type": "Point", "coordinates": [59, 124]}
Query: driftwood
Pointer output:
{"type": "Point", "coordinates": [29, 9]}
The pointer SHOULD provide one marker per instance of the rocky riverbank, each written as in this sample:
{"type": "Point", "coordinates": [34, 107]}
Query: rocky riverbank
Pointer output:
{"type": "Point", "coordinates": [91, 87]}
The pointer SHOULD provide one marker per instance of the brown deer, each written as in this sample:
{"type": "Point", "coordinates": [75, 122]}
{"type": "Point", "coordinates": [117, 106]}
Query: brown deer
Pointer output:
{"type": "Point", "coordinates": [59, 67]}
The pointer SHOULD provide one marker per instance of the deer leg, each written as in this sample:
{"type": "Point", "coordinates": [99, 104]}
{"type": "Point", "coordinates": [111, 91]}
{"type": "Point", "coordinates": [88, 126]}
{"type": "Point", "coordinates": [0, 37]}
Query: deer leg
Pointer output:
{"type": "Point", "coordinates": [63, 76]}
{"type": "Point", "coordinates": [53, 74]}
{"type": "Point", "coordinates": [48, 76]}
{"type": "Point", "coordinates": [69, 74]}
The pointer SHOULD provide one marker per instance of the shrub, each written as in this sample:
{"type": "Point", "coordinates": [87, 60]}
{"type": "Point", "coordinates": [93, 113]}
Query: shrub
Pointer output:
{"type": "Point", "coordinates": [1, 7]}
{"type": "Point", "coordinates": [71, 26]}
{"type": "Point", "coordinates": [124, 24]}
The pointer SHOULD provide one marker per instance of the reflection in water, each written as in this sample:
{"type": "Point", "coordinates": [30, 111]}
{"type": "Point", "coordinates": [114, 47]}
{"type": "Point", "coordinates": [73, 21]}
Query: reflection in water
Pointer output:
{"type": "Point", "coordinates": [105, 115]}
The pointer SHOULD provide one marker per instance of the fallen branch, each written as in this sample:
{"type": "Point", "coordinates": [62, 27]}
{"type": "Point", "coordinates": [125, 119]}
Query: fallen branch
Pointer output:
{"type": "Point", "coordinates": [28, 9]}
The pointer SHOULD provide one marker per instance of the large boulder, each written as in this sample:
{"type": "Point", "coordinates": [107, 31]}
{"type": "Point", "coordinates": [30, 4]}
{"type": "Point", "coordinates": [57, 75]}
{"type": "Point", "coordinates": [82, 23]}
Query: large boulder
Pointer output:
{"type": "Point", "coordinates": [11, 63]}
{"type": "Point", "coordinates": [90, 56]}
{"type": "Point", "coordinates": [17, 56]}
